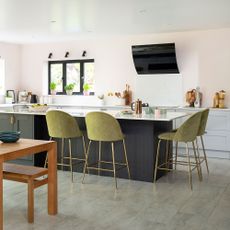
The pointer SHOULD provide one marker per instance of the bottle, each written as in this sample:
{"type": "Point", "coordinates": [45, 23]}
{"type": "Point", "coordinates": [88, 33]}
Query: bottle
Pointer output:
{"type": "Point", "coordinates": [197, 102]}
{"type": "Point", "coordinates": [216, 100]}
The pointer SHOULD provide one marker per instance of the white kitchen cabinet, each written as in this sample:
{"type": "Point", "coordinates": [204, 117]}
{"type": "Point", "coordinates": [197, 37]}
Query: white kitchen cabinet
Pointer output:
{"type": "Point", "coordinates": [217, 136]}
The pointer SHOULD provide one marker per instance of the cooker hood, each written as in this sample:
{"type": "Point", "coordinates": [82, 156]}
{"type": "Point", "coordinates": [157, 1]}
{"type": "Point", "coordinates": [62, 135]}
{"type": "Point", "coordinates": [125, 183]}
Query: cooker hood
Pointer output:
{"type": "Point", "coordinates": [155, 58]}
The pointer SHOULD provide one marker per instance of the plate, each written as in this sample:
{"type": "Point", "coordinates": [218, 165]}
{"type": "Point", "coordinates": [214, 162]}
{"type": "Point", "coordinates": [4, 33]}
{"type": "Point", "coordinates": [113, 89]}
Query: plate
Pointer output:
{"type": "Point", "coordinates": [127, 112]}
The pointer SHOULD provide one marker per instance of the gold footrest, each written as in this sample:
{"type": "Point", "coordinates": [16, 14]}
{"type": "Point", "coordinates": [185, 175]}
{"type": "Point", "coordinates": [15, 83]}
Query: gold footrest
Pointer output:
{"type": "Point", "coordinates": [122, 165]}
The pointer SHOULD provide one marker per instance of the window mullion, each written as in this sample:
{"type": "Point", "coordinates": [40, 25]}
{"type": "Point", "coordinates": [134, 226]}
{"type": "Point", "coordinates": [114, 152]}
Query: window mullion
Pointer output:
{"type": "Point", "coordinates": [49, 76]}
{"type": "Point", "coordinates": [81, 76]}
{"type": "Point", "coordinates": [64, 77]}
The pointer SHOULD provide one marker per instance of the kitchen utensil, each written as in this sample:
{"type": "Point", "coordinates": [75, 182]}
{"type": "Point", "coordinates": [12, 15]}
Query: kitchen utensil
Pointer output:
{"type": "Point", "coordinates": [23, 96]}
{"type": "Point", "coordinates": [137, 106]}
{"type": "Point", "coordinates": [11, 93]}
{"type": "Point", "coordinates": [127, 95]}
{"type": "Point", "coordinates": [33, 98]}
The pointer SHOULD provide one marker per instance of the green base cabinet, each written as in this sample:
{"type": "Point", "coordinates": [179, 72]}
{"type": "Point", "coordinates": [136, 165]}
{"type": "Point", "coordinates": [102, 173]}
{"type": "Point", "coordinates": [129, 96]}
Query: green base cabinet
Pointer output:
{"type": "Point", "coordinates": [19, 122]}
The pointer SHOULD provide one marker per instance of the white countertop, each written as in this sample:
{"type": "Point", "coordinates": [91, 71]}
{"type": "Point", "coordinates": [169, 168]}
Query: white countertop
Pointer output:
{"type": "Point", "coordinates": [117, 112]}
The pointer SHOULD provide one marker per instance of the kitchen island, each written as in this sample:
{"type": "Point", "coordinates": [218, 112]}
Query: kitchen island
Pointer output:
{"type": "Point", "coordinates": [141, 133]}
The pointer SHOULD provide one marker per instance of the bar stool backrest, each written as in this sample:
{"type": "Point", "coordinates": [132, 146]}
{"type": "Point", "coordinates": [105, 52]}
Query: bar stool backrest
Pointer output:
{"type": "Point", "coordinates": [103, 127]}
{"type": "Point", "coordinates": [203, 122]}
{"type": "Point", "coordinates": [187, 132]}
{"type": "Point", "coordinates": [62, 125]}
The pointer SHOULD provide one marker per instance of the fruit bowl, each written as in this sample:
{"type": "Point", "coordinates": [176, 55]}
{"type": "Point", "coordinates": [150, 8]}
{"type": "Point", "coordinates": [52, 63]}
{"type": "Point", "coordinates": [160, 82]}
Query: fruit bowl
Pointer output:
{"type": "Point", "coordinates": [9, 136]}
{"type": "Point", "coordinates": [38, 108]}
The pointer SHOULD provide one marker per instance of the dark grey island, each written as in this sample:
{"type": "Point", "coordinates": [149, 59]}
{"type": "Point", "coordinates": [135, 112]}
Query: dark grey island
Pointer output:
{"type": "Point", "coordinates": [140, 130]}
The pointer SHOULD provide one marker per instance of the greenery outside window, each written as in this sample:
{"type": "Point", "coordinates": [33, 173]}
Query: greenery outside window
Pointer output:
{"type": "Point", "coordinates": [67, 72]}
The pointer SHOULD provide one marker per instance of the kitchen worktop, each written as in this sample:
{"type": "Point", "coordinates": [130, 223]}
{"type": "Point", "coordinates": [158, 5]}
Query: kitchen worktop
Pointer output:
{"type": "Point", "coordinates": [119, 112]}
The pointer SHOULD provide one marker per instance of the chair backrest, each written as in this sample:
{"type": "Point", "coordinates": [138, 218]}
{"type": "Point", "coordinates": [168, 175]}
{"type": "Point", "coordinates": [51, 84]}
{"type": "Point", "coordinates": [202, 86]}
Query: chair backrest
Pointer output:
{"type": "Point", "coordinates": [203, 122]}
{"type": "Point", "coordinates": [103, 127]}
{"type": "Point", "coordinates": [62, 125]}
{"type": "Point", "coordinates": [187, 132]}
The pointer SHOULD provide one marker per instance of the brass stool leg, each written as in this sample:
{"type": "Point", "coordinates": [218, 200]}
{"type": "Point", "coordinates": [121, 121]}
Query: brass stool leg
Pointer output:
{"type": "Point", "coordinates": [70, 160]}
{"type": "Point", "coordinates": [99, 157]}
{"type": "Point", "coordinates": [86, 162]}
{"type": "Point", "coordinates": [198, 153]}
{"type": "Point", "coordinates": [62, 152]}
{"type": "Point", "coordinates": [197, 161]}
{"type": "Point", "coordinates": [84, 150]}
{"type": "Point", "coordinates": [114, 166]}
{"type": "Point", "coordinates": [167, 154]}
{"type": "Point", "coordinates": [176, 154]}
{"type": "Point", "coordinates": [46, 160]}
{"type": "Point", "coordinates": [205, 157]}
{"type": "Point", "coordinates": [156, 162]}
{"type": "Point", "coordinates": [126, 158]}
{"type": "Point", "coordinates": [189, 166]}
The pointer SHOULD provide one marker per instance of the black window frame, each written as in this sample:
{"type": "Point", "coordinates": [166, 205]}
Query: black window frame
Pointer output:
{"type": "Point", "coordinates": [64, 77]}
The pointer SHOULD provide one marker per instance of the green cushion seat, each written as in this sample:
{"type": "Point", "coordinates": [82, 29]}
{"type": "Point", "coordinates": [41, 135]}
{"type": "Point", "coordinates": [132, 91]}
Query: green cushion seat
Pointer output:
{"type": "Point", "coordinates": [167, 136]}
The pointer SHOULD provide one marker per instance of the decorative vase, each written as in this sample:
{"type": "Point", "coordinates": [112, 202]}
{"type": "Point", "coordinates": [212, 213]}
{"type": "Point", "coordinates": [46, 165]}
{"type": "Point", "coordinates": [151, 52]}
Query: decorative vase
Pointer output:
{"type": "Point", "coordinates": [69, 92]}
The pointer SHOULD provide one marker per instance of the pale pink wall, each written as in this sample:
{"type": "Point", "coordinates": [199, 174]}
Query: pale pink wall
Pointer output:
{"type": "Point", "coordinates": [11, 53]}
{"type": "Point", "coordinates": [203, 59]}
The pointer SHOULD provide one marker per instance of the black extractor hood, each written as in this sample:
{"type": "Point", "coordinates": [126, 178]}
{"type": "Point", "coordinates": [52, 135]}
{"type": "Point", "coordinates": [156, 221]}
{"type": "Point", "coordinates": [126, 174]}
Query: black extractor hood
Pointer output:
{"type": "Point", "coordinates": [155, 58]}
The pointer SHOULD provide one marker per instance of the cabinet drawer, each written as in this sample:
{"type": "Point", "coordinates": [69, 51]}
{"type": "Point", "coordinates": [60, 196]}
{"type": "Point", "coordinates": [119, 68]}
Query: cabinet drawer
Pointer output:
{"type": "Point", "coordinates": [218, 121]}
{"type": "Point", "coordinates": [214, 140]}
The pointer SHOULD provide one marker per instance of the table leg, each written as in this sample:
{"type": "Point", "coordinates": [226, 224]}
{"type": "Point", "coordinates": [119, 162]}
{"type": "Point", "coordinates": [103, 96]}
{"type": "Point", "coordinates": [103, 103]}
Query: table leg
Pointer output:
{"type": "Point", "coordinates": [52, 180]}
{"type": "Point", "coordinates": [1, 196]}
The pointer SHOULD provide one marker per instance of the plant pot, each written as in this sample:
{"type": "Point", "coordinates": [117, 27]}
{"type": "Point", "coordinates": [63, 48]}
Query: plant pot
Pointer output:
{"type": "Point", "coordinates": [53, 92]}
{"type": "Point", "coordinates": [69, 92]}
{"type": "Point", "coordinates": [86, 93]}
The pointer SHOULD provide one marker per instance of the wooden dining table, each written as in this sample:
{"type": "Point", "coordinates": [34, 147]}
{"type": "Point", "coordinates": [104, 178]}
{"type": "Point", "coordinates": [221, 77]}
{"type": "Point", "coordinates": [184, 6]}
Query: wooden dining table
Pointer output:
{"type": "Point", "coordinates": [24, 147]}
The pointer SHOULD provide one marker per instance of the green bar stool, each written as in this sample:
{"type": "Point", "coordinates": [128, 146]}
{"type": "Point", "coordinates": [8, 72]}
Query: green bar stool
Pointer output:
{"type": "Point", "coordinates": [201, 132]}
{"type": "Point", "coordinates": [186, 133]}
{"type": "Point", "coordinates": [62, 125]}
{"type": "Point", "coordinates": [102, 127]}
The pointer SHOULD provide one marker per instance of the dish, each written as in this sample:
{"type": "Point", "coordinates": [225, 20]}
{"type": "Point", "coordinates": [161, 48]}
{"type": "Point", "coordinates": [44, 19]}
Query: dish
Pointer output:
{"type": "Point", "coordinates": [9, 136]}
{"type": "Point", "coordinates": [38, 108]}
{"type": "Point", "coordinates": [127, 112]}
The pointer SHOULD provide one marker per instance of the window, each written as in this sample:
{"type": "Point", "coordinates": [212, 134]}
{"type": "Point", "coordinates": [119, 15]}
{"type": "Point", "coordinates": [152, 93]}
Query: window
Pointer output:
{"type": "Point", "coordinates": [78, 72]}
{"type": "Point", "coordinates": [2, 76]}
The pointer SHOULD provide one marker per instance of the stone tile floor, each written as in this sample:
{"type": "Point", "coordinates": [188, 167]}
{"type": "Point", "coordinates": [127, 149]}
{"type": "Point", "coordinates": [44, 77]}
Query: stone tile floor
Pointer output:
{"type": "Point", "coordinates": [95, 205]}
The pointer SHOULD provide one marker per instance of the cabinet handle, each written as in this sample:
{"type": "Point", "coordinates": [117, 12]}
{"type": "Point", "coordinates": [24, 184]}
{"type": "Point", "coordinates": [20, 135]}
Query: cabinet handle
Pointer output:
{"type": "Point", "coordinates": [12, 120]}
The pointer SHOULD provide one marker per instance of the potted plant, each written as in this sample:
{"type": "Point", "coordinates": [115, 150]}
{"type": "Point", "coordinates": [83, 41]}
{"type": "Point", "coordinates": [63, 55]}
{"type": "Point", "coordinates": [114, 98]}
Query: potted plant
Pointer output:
{"type": "Point", "coordinates": [86, 88]}
{"type": "Point", "coordinates": [69, 88]}
{"type": "Point", "coordinates": [53, 87]}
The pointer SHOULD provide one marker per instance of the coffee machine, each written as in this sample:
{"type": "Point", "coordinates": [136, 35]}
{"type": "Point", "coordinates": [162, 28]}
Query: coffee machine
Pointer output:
{"type": "Point", "coordinates": [23, 96]}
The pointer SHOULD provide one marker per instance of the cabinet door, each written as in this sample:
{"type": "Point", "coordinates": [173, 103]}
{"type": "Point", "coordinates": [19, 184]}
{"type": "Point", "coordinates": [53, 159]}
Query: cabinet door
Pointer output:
{"type": "Point", "coordinates": [25, 124]}
{"type": "Point", "coordinates": [7, 122]}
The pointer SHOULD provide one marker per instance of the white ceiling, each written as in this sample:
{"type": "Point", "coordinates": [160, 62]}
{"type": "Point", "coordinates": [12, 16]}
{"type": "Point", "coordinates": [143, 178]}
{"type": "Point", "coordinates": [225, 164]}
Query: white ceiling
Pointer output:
{"type": "Point", "coordinates": [23, 21]}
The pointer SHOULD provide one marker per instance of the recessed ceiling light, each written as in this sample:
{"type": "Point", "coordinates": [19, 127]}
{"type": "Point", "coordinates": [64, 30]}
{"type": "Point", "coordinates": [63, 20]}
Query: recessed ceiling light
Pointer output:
{"type": "Point", "coordinates": [53, 21]}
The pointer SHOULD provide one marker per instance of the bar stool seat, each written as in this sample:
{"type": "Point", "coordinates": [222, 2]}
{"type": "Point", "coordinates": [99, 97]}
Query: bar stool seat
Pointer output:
{"type": "Point", "coordinates": [102, 127]}
{"type": "Point", "coordinates": [62, 125]}
{"type": "Point", "coordinates": [167, 136]}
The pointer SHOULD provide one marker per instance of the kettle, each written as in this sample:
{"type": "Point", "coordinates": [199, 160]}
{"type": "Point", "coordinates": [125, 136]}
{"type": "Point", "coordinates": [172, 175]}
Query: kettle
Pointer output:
{"type": "Point", "coordinates": [33, 98]}
{"type": "Point", "coordinates": [137, 106]}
